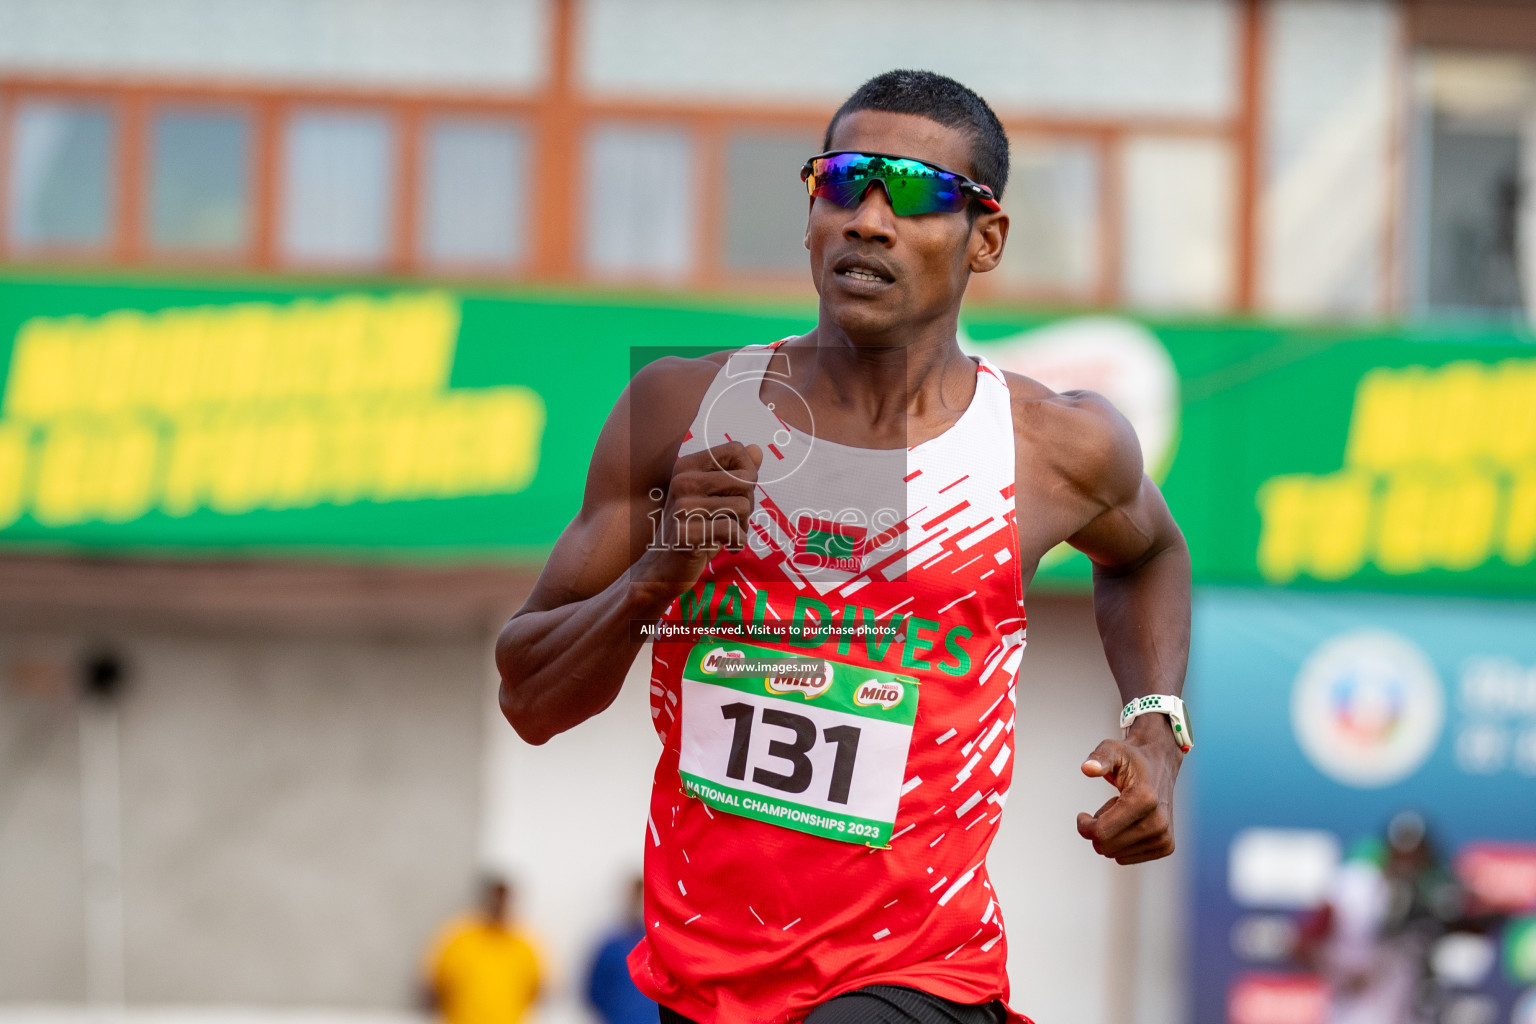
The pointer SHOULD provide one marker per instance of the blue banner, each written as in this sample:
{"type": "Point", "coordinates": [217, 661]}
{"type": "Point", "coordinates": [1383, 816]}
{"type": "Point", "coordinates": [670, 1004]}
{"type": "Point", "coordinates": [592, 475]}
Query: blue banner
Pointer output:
{"type": "Point", "coordinates": [1365, 801]}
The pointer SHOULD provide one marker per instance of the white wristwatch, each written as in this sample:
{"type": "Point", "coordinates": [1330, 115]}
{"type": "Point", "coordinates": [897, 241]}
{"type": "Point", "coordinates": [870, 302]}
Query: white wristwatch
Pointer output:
{"type": "Point", "coordinates": [1162, 704]}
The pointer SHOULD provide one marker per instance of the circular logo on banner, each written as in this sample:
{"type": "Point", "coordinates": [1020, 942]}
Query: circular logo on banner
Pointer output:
{"type": "Point", "coordinates": [1367, 708]}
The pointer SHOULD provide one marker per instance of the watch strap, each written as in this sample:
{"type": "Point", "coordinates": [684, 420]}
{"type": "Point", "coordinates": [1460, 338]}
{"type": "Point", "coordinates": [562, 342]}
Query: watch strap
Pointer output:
{"type": "Point", "coordinates": [1163, 704]}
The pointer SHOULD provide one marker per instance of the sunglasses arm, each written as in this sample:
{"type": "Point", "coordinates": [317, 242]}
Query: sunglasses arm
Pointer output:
{"type": "Point", "coordinates": [982, 194]}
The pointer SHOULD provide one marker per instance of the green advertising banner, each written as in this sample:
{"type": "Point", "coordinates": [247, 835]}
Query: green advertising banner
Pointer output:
{"type": "Point", "coordinates": [406, 423]}
{"type": "Point", "coordinates": [416, 423]}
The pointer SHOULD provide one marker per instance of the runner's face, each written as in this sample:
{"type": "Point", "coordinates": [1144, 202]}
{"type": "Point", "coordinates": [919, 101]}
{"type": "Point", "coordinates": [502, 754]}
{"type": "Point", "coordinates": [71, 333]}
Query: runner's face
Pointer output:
{"type": "Point", "coordinates": [920, 263]}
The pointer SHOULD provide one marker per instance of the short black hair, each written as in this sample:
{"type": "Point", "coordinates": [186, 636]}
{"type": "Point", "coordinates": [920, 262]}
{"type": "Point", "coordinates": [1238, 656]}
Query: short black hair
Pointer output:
{"type": "Point", "coordinates": [942, 99]}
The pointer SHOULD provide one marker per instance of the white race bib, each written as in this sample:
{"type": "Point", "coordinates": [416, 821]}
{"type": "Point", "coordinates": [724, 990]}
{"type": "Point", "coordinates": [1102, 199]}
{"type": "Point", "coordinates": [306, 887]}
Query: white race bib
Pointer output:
{"type": "Point", "coordinates": [804, 742]}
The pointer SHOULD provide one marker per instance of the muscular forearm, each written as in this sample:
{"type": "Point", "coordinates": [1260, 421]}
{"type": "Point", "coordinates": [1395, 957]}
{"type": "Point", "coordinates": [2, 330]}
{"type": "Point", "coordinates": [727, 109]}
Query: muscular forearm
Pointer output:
{"type": "Point", "coordinates": [563, 665]}
{"type": "Point", "coordinates": [1143, 618]}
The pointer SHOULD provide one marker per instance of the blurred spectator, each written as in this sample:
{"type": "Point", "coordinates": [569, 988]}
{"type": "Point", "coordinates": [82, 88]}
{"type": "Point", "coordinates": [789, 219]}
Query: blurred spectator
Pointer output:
{"type": "Point", "coordinates": [1389, 904]}
{"type": "Point", "coordinates": [610, 989]}
{"type": "Point", "coordinates": [482, 969]}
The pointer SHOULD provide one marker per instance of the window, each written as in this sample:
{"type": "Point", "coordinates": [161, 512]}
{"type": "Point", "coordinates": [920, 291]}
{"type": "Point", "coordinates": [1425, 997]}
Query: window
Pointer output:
{"type": "Point", "coordinates": [475, 186]}
{"type": "Point", "coordinates": [338, 187]}
{"type": "Point", "coordinates": [1474, 212]}
{"type": "Point", "coordinates": [62, 168]}
{"type": "Point", "coordinates": [199, 190]}
{"type": "Point", "coordinates": [1472, 245]}
{"type": "Point", "coordinates": [765, 202]}
{"type": "Point", "coordinates": [1178, 223]}
{"type": "Point", "coordinates": [640, 202]}
{"type": "Point", "coordinates": [1052, 201]}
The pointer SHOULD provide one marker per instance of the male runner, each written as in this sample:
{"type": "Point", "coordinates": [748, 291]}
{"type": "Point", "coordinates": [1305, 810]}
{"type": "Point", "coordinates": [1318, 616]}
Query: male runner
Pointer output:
{"type": "Point", "coordinates": [836, 532]}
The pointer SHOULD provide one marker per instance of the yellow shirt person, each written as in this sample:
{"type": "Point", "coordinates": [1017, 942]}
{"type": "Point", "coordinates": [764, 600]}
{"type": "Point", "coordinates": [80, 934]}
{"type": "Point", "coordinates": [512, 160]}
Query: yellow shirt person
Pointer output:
{"type": "Point", "coordinates": [481, 971]}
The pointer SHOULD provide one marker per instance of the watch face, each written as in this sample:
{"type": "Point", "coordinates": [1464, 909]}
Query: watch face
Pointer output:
{"type": "Point", "coordinates": [1189, 731]}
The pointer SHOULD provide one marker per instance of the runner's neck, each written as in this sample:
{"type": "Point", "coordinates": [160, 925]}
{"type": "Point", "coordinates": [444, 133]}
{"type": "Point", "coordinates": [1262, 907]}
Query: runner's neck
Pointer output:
{"type": "Point", "coordinates": [869, 398]}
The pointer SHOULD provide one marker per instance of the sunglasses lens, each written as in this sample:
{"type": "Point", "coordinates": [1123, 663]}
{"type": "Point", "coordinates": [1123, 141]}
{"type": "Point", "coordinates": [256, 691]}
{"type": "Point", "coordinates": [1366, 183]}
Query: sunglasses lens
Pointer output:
{"type": "Point", "coordinates": [929, 192]}
{"type": "Point", "coordinates": [841, 178]}
{"type": "Point", "coordinates": [913, 187]}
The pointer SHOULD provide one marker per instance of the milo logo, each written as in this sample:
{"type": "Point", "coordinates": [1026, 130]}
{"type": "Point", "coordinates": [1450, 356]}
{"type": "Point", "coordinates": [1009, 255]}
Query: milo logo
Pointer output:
{"type": "Point", "coordinates": [885, 694]}
{"type": "Point", "coordinates": [809, 679]}
{"type": "Point", "coordinates": [715, 655]}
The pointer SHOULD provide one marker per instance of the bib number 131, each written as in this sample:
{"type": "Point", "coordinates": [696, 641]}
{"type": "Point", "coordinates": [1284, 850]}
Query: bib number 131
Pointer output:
{"type": "Point", "coordinates": [846, 737]}
{"type": "Point", "coordinates": [815, 746]}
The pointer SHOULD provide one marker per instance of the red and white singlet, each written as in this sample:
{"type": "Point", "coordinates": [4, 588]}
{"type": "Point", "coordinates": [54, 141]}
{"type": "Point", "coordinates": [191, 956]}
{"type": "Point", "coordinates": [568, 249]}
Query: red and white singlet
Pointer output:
{"type": "Point", "coordinates": [821, 828]}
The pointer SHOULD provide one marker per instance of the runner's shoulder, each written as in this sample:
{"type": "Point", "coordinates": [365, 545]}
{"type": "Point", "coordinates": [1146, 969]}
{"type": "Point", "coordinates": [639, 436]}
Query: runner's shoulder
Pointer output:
{"type": "Point", "coordinates": [668, 381]}
{"type": "Point", "coordinates": [1078, 435]}
{"type": "Point", "coordinates": [664, 396]}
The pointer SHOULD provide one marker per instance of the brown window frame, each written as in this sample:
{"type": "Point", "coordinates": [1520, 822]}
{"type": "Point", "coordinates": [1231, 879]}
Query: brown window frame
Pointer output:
{"type": "Point", "coordinates": [556, 124]}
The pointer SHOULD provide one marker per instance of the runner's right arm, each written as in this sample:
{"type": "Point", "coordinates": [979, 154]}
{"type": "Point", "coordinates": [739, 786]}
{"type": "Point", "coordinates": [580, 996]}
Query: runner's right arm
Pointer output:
{"type": "Point", "coordinates": [563, 656]}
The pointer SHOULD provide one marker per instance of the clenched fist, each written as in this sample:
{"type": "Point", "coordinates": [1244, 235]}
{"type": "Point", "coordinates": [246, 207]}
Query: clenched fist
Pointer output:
{"type": "Point", "coordinates": [1136, 824]}
{"type": "Point", "coordinates": [708, 503]}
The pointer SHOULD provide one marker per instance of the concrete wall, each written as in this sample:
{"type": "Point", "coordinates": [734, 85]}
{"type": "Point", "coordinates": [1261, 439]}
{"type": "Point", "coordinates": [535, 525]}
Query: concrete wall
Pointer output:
{"type": "Point", "coordinates": [1162, 57]}
{"type": "Point", "coordinates": [473, 44]}
{"type": "Point", "coordinates": [42, 946]}
{"type": "Point", "coordinates": [298, 814]}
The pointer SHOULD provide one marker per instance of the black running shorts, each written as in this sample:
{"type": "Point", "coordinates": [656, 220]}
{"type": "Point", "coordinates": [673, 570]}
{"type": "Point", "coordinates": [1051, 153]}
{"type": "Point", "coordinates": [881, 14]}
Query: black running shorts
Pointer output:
{"type": "Point", "coordinates": [888, 1004]}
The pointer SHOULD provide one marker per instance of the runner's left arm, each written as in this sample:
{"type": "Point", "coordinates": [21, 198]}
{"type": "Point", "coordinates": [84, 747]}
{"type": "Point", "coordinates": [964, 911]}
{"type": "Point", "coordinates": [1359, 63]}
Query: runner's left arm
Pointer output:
{"type": "Point", "coordinates": [1141, 598]}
